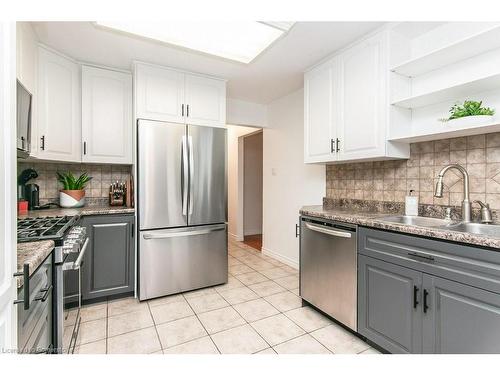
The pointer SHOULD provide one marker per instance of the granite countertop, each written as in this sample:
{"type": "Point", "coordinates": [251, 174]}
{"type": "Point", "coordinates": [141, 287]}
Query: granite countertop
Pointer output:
{"type": "Point", "coordinates": [33, 253]}
{"type": "Point", "coordinates": [84, 211]}
{"type": "Point", "coordinates": [372, 219]}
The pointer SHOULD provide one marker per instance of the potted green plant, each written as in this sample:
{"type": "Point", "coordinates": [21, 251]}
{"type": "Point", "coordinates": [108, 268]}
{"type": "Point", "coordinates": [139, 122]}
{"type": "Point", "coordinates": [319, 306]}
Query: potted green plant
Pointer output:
{"type": "Point", "coordinates": [73, 192]}
{"type": "Point", "coordinates": [470, 112]}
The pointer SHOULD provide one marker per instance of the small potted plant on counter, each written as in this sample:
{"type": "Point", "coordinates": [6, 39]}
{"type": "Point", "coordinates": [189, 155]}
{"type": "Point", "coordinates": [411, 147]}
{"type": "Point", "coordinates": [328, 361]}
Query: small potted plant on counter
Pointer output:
{"type": "Point", "coordinates": [73, 192]}
{"type": "Point", "coordinates": [470, 112]}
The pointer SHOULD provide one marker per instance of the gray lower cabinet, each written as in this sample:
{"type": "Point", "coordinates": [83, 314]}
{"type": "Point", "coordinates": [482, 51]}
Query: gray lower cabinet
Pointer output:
{"type": "Point", "coordinates": [109, 261]}
{"type": "Point", "coordinates": [388, 312]}
{"type": "Point", "coordinates": [417, 295]}
{"type": "Point", "coordinates": [460, 319]}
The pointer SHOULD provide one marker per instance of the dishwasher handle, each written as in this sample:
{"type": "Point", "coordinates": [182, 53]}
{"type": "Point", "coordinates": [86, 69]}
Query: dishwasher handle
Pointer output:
{"type": "Point", "coordinates": [325, 230]}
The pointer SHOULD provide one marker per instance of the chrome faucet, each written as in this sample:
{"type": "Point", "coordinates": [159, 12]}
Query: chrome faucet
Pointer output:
{"type": "Point", "coordinates": [466, 203]}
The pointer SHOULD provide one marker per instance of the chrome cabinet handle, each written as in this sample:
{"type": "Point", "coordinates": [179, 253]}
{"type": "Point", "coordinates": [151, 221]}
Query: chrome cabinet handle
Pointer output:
{"type": "Point", "coordinates": [180, 234]}
{"type": "Point", "coordinates": [184, 176]}
{"type": "Point", "coordinates": [331, 232]}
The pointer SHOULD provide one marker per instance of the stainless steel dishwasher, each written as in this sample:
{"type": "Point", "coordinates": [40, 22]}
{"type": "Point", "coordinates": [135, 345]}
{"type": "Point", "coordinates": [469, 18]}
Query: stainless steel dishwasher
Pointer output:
{"type": "Point", "coordinates": [328, 268]}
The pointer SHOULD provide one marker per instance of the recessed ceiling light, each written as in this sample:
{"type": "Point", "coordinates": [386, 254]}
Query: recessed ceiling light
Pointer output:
{"type": "Point", "coordinates": [241, 41]}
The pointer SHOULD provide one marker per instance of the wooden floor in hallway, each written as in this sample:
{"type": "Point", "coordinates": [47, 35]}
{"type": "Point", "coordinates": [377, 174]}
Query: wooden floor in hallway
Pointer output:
{"type": "Point", "coordinates": [255, 241]}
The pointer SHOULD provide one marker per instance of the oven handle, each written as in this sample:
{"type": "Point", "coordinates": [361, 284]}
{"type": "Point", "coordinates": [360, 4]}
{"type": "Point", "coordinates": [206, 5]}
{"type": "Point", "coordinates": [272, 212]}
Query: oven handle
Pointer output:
{"type": "Point", "coordinates": [331, 232]}
{"type": "Point", "coordinates": [78, 260]}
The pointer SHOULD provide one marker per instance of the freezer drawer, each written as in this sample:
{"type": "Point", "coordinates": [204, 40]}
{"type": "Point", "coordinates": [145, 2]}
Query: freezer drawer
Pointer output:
{"type": "Point", "coordinates": [328, 268]}
{"type": "Point", "coordinates": [177, 260]}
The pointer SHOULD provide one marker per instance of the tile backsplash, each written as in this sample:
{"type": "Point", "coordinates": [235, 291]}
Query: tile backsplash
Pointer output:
{"type": "Point", "coordinates": [391, 180]}
{"type": "Point", "coordinates": [97, 189]}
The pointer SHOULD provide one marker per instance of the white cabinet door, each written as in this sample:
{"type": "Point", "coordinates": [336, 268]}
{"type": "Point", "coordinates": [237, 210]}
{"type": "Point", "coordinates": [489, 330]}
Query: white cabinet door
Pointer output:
{"type": "Point", "coordinates": [319, 126]}
{"type": "Point", "coordinates": [205, 101]}
{"type": "Point", "coordinates": [362, 121]}
{"type": "Point", "coordinates": [59, 121]}
{"type": "Point", "coordinates": [26, 55]}
{"type": "Point", "coordinates": [160, 94]}
{"type": "Point", "coordinates": [106, 116]}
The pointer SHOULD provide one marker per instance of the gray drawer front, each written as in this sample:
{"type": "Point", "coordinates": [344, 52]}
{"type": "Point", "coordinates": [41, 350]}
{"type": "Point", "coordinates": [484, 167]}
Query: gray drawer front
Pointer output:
{"type": "Point", "coordinates": [28, 319]}
{"type": "Point", "coordinates": [466, 264]}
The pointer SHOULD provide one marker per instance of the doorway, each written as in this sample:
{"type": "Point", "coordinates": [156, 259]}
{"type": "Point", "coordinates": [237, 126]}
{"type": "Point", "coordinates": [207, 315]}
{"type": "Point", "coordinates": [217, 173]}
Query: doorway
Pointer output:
{"type": "Point", "coordinates": [252, 189]}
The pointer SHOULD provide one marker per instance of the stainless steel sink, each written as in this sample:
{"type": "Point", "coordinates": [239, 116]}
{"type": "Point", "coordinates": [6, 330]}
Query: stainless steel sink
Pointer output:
{"type": "Point", "coordinates": [476, 228]}
{"type": "Point", "coordinates": [416, 220]}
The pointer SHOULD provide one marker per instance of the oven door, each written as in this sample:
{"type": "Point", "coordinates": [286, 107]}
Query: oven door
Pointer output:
{"type": "Point", "coordinates": [70, 300]}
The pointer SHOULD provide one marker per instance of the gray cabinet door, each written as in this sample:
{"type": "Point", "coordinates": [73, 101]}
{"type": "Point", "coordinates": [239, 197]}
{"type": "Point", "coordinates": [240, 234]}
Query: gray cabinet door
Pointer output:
{"type": "Point", "coordinates": [460, 318]}
{"type": "Point", "coordinates": [389, 311]}
{"type": "Point", "coordinates": [109, 262]}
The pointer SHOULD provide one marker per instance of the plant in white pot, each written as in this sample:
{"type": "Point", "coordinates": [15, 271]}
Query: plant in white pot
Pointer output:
{"type": "Point", "coordinates": [470, 112]}
{"type": "Point", "coordinates": [73, 192]}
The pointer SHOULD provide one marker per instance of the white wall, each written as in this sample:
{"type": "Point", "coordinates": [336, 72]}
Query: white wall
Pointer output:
{"type": "Point", "coordinates": [288, 182]}
{"type": "Point", "coordinates": [240, 112]}
{"type": "Point", "coordinates": [252, 184]}
{"type": "Point", "coordinates": [233, 133]}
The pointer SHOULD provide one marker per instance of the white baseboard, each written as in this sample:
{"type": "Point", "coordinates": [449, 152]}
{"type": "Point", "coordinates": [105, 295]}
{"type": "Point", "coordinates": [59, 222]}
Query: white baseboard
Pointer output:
{"type": "Point", "coordinates": [288, 261]}
{"type": "Point", "coordinates": [235, 237]}
{"type": "Point", "coordinates": [251, 232]}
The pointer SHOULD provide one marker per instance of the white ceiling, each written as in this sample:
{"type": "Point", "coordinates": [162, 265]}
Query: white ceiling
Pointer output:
{"type": "Point", "coordinates": [276, 72]}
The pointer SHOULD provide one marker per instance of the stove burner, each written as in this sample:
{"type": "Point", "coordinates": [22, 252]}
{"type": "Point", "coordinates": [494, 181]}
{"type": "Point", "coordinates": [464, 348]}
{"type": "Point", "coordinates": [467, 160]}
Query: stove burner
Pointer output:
{"type": "Point", "coordinates": [43, 228]}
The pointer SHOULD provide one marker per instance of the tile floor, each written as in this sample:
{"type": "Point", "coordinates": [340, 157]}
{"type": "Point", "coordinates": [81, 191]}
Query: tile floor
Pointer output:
{"type": "Point", "coordinates": [257, 311]}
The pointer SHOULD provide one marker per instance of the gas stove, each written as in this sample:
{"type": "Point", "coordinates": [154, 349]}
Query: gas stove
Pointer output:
{"type": "Point", "coordinates": [44, 228]}
{"type": "Point", "coordinates": [71, 242]}
{"type": "Point", "coordinates": [61, 229]}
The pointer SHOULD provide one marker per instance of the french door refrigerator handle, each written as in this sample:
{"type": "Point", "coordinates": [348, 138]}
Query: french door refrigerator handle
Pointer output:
{"type": "Point", "coordinates": [331, 232]}
{"type": "Point", "coordinates": [184, 176]}
{"type": "Point", "coordinates": [191, 174]}
{"type": "Point", "coordinates": [181, 234]}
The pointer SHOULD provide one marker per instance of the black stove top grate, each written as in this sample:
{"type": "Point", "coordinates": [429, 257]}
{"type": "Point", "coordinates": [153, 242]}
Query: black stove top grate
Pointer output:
{"type": "Point", "coordinates": [43, 228]}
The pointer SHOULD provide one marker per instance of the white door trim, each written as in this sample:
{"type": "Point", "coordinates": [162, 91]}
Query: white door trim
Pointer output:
{"type": "Point", "coordinates": [8, 242]}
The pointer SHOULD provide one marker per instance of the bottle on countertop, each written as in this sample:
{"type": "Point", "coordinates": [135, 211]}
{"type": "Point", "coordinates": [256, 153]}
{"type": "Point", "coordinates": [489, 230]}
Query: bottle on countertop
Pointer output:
{"type": "Point", "coordinates": [411, 204]}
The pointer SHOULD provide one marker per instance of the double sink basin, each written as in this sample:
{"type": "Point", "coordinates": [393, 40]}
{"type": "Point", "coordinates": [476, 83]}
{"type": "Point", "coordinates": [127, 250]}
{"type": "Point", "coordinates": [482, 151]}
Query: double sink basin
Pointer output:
{"type": "Point", "coordinates": [429, 222]}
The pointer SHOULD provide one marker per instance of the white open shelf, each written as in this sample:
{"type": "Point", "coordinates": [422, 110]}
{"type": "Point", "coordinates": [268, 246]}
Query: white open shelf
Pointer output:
{"type": "Point", "coordinates": [443, 130]}
{"type": "Point", "coordinates": [460, 50]}
{"type": "Point", "coordinates": [450, 93]}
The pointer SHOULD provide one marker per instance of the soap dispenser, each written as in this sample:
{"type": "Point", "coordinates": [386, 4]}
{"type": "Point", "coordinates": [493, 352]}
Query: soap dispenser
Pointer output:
{"type": "Point", "coordinates": [411, 204]}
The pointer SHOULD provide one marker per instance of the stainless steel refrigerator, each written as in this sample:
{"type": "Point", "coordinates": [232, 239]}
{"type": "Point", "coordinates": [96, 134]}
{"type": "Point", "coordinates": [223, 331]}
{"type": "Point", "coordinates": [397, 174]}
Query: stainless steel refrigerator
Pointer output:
{"type": "Point", "coordinates": [182, 204]}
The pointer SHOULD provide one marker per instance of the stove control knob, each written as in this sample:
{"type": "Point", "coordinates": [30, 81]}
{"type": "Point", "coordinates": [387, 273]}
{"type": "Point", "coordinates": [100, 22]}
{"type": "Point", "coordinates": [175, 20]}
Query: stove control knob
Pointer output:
{"type": "Point", "coordinates": [69, 247]}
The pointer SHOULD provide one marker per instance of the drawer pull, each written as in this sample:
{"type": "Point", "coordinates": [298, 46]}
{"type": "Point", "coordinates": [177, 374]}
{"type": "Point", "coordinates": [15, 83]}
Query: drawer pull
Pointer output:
{"type": "Point", "coordinates": [45, 295]}
{"type": "Point", "coordinates": [427, 258]}
{"type": "Point", "coordinates": [425, 307]}
{"type": "Point", "coordinates": [26, 286]}
{"type": "Point", "coordinates": [415, 296]}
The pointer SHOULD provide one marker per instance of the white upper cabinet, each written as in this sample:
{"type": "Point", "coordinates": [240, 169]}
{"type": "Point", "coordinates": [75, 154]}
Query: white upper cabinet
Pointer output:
{"type": "Point", "coordinates": [26, 55]}
{"type": "Point", "coordinates": [166, 94]}
{"type": "Point", "coordinates": [363, 106]}
{"type": "Point", "coordinates": [58, 110]}
{"type": "Point", "coordinates": [160, 94]}
{"type": "Point", "coordinates": [347, 113]}
{"type": "Point", "coordinates": [106, 116]}
{"type": "Point", "coordinates": [320, 132]}
{"type": "Point", "coordinates": [205, 101]}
